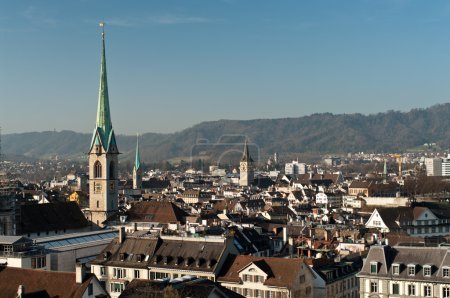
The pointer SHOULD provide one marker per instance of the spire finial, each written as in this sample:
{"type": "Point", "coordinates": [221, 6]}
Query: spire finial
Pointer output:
{"type": "Point", "coordinates": [102, 25]}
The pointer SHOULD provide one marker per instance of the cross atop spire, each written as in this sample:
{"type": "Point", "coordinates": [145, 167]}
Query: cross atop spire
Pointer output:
{"type": "Point", "coordinates": [137, 161]}
{"type": "Point", "coordinates": [104, 133]}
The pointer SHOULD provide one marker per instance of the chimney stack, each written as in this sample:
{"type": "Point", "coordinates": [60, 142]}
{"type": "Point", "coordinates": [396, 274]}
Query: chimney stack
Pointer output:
{"type": "Point", "coordinates": [21, 291]}
{"type": "Point", "coordinates": [121, 234]}
{"type": "Point", "coordinates": [80, 272]}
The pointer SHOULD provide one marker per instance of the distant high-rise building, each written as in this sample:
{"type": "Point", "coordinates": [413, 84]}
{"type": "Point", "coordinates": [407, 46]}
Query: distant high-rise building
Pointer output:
{"type": "Point", "coordinates": [295, 168]}
{"type": "Point", "coordinates": [246, 174]}
{"type": "Point", "coordinates": [434, 166]}
{"type": "Point", "coordinates": [103, 156]}
{"type": "Point", "coordinates": [446, 166]}
{"type": "Point", "coordinates": [137, 169]}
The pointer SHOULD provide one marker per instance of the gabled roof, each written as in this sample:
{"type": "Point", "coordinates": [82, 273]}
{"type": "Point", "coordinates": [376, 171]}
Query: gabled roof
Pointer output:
{"type": "Point", "coordinates": [155, 183]}
{"type": "Point", "coordinates": [46, 283]}
{"type": "Point", "coordinates": [156, 211]}
{"type": "Point", "coordinates": [13, 239]}
{"type": "Point", "coordinates": [51, 216]}
{"type": "Point", "coordinates": [360, 184]}
{"type": "Point", "coordinates": [281, 272]}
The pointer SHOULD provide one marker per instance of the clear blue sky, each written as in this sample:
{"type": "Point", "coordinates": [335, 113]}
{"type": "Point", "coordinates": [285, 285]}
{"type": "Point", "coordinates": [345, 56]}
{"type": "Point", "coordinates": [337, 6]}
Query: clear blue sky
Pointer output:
{"type": "Point", "coordinates": [172, 64]}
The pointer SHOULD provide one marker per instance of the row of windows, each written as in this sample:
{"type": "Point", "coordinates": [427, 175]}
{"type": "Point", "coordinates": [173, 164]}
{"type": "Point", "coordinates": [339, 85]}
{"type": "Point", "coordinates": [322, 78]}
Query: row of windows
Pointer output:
{"type": "Point", "coordinates": [258, 293]}
{"type": "Point", "coordinates": [253, 278]}
{"type": "Point", "coordinates": [39, 262]}
{"type": "Point", "coordinates": [411, 269]}
{"type": "Point", "coordinates": [412, 290]}
{"type": "Point", "coordinates": [342, 286]}
{"type": "Point", "coordinates": [120, 272]}
{"type": "Point", "coordinates": [426, 230]}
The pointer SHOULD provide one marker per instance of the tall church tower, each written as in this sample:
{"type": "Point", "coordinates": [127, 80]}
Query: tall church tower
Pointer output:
{"type": "Point", "coordinates": [103, 156]}
{"type": "Point", "coordinates": [246, 173]}
{"type": "Point", "coordinates": [137, 169]}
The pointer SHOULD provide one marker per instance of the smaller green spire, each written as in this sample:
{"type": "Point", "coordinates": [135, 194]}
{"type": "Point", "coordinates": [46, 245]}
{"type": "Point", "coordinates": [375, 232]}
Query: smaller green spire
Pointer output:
{"type": "Point", "coordinates": [137, 161]}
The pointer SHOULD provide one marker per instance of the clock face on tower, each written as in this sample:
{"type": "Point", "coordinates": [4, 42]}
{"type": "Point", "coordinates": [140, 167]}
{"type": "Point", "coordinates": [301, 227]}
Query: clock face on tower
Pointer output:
{"type": "Point", "coordinates": [243, 167]}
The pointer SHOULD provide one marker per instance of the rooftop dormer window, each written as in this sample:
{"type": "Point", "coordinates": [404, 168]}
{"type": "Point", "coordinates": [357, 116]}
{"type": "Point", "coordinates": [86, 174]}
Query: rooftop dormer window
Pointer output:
{"type": "Point", "coordinates": [373, 267]}
{"type": "Point", "coordinates": [427, 270]}
{"type": "Point", "coordinates": [411, 269]}
{"type": "Point", "coordinates": [396, 269]}
{"type": "Point", "coordinates": [446, 272]}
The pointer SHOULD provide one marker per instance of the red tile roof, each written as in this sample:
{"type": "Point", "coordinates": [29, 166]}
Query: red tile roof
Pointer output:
{"type": "Point", "coordinates": [155, 211]}
{"type": "Point", "coordinates": [56, 284]}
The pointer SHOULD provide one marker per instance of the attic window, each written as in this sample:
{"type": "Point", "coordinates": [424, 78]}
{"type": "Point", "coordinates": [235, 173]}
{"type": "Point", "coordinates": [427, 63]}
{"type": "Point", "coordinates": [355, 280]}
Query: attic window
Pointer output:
{"type": "Point", "coordinates": [396, 269]}
{"type": "Point", "coordinates": [122, 257]}
{"type": "Point", "coordinates": [139, 258]}
{"type": "Point", "coordinates": [178, 261]}
{"type": "Point", "coordinates": [445, 272]}
{"type": "Point", "coordinates": [211, 263]}
{"type": "Point", "coordinates": [374, 267]}
{"type": "Point", "coordinates": [105, 255]}
{"type": "Point", "coordinates": [412, 269]}
{"type": "Point", "coordinates": [426, 270]}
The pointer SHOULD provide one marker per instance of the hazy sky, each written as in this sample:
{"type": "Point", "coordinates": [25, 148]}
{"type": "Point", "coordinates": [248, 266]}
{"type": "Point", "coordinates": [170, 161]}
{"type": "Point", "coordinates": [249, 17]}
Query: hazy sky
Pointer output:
{"type": "Point", "coordinates": [172, 64]}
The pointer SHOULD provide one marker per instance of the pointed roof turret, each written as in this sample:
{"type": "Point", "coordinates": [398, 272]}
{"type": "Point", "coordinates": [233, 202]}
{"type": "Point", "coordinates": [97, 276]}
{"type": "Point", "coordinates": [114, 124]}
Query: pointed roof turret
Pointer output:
{"type": "Point", "coordinates": [246, 155]}
{"type": "Point", "coordinates": [137, 161]}
{"type": "Point", "coordinates": [104, 132]}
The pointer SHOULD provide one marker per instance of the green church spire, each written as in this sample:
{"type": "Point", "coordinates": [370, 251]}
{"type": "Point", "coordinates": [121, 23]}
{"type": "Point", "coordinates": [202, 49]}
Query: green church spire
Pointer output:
{"type": "Point", "coordinates": [137, 162]}
{"type": "Point", "coordinates": [104, 133]}
{"type": "Point", "coordinates": [103, 114]}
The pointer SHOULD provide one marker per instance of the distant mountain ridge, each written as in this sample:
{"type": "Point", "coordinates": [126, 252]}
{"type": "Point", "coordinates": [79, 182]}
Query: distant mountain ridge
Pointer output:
{"type": "Point", "coordinates": [392, 131]}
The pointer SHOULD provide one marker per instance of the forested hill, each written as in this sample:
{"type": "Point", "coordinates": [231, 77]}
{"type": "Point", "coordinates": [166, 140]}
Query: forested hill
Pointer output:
{"type": "Point", "coordinates": [325, 133]}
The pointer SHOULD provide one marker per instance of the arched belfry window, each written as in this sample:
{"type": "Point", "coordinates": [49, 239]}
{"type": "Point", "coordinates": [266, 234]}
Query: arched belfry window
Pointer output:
{"type": "Point", "coordinates": [97, 169]}
{"type": "Point", "coordinates": [111, 170]}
